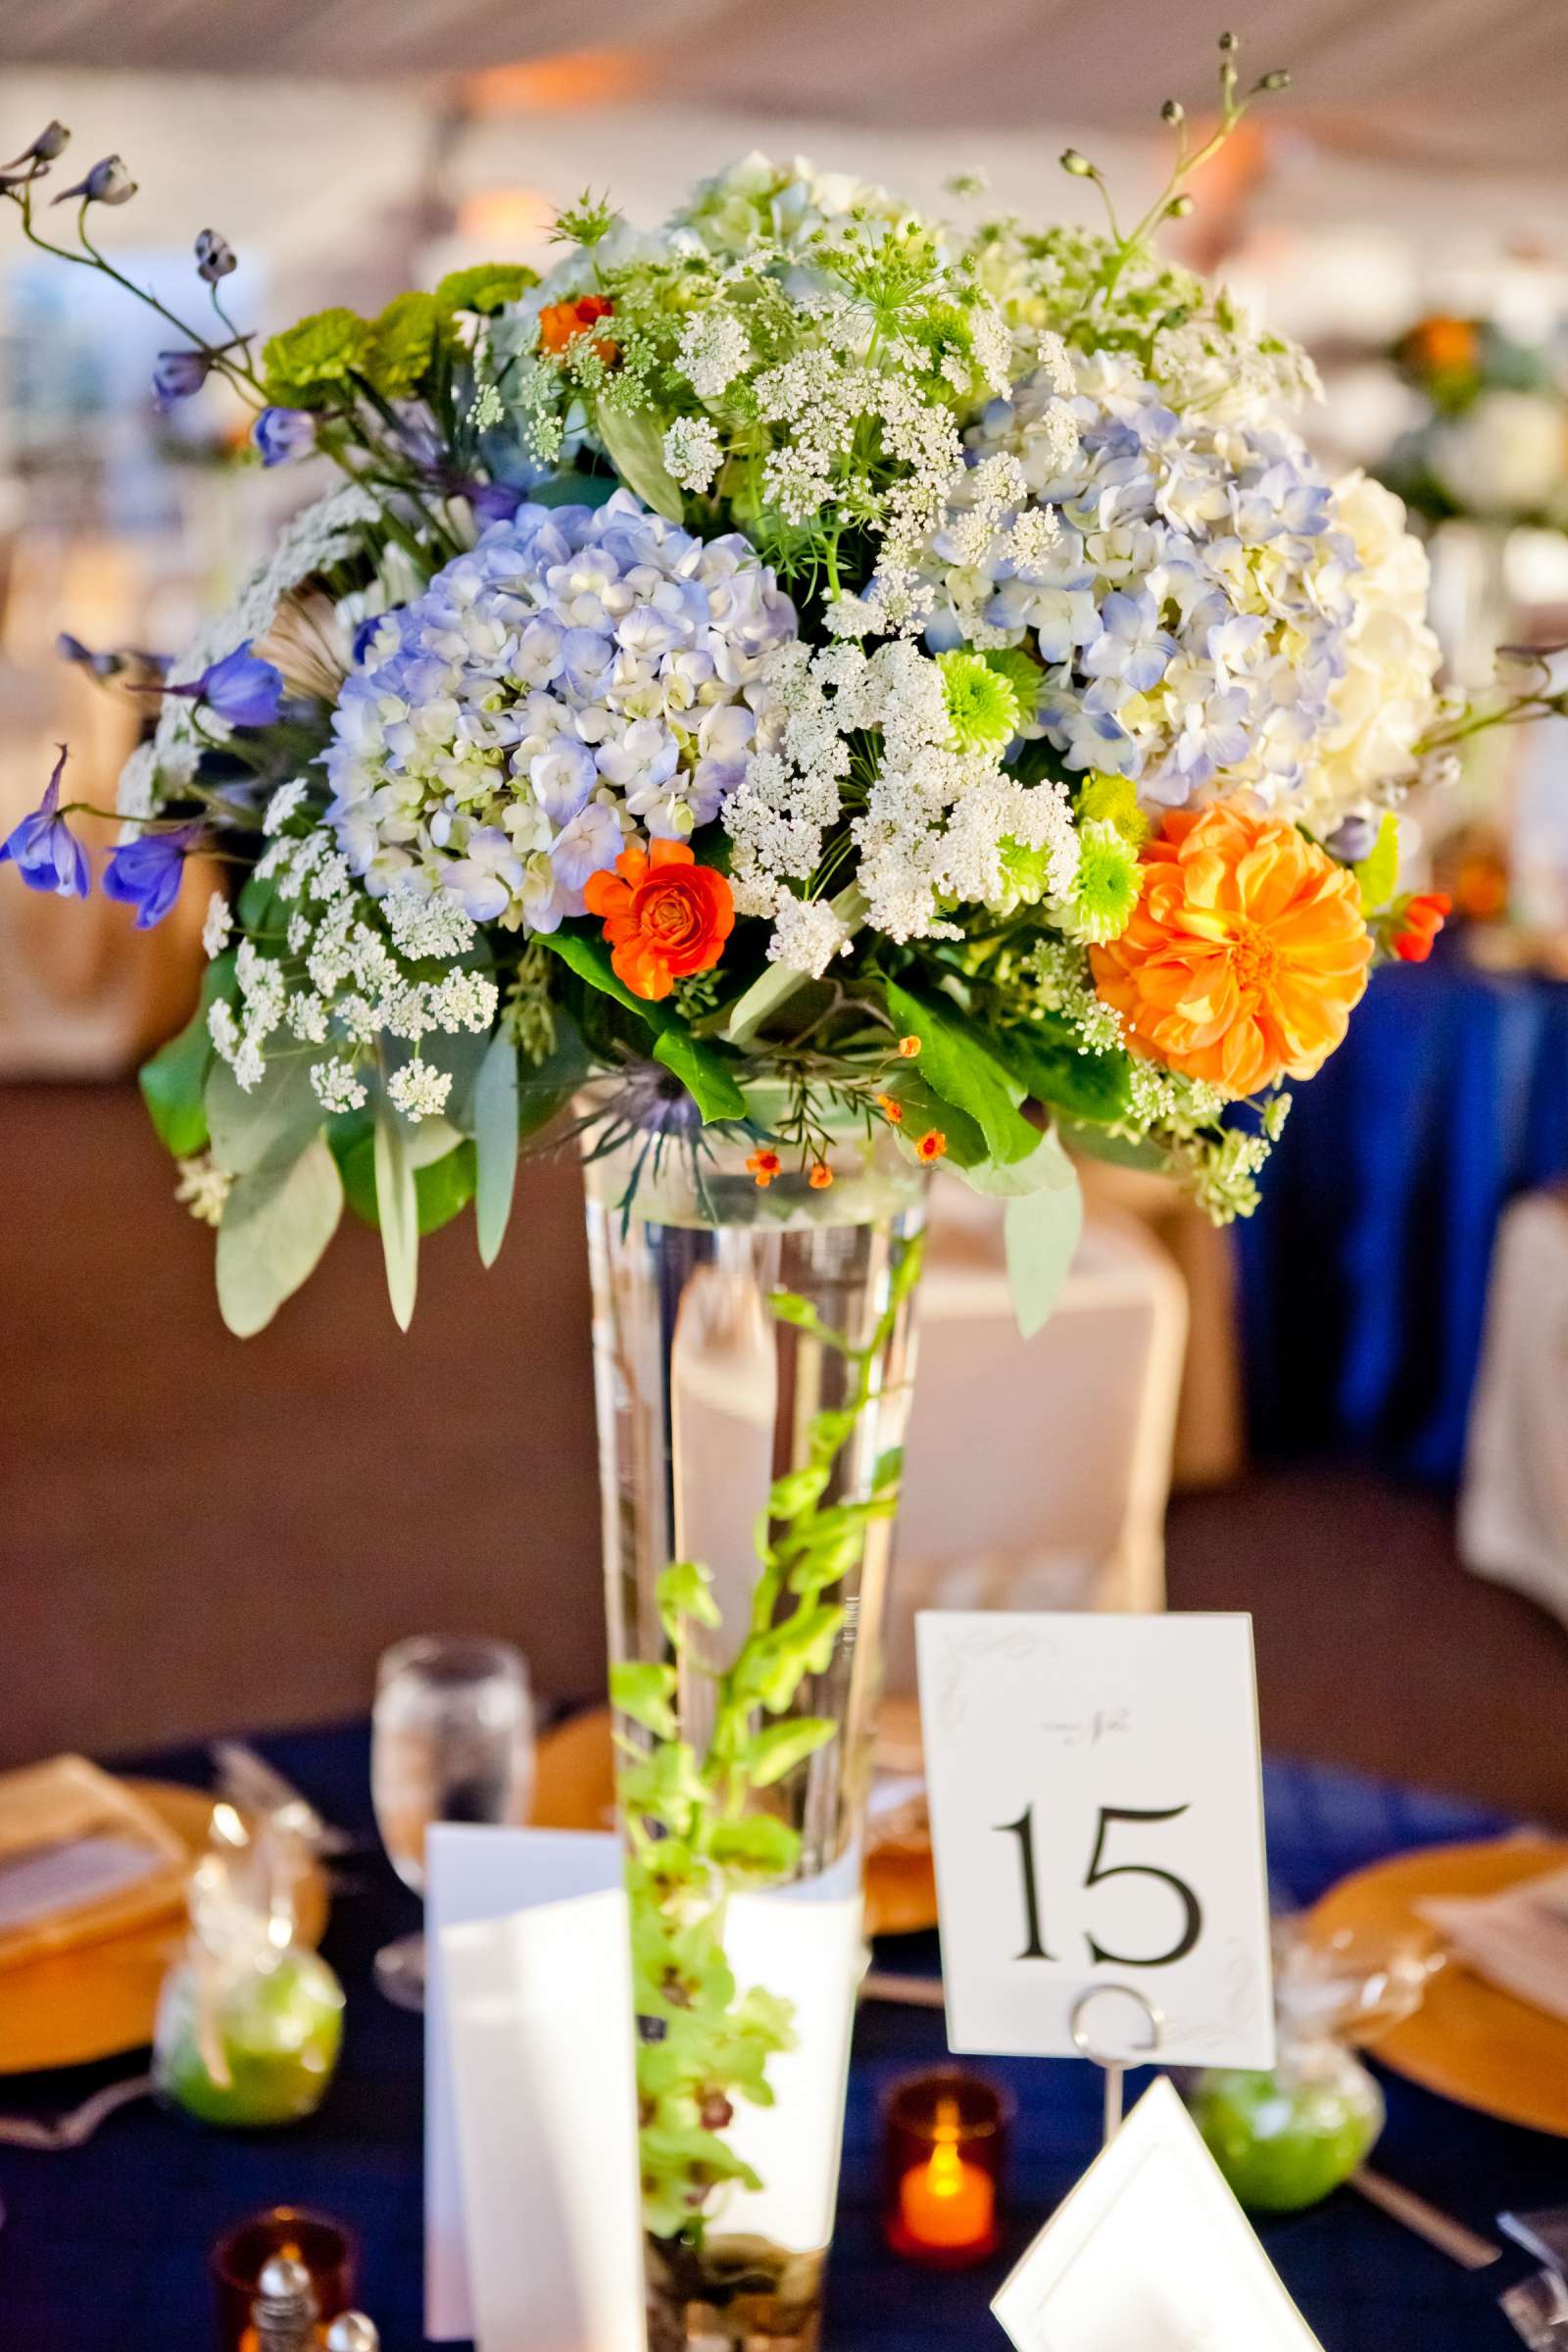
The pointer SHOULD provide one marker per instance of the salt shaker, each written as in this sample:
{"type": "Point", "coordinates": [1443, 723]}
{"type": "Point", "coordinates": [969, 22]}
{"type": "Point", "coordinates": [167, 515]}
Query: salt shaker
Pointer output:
{"type": "Point", "coordinates": [283, 2314]}
{"type": "Point", "coordinates": [352, 2331]}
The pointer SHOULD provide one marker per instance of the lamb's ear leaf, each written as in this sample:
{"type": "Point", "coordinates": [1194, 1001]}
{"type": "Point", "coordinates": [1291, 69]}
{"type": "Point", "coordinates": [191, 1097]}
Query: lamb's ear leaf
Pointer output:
{"type": "Point", "coordinates": [277, 1221]}
{"type": "Point", "coordinates": [495, 1136]}
{"type": "Point", "coordinates": [1041, 1230]}
{"type": "Point", "coordinates": [396, 1208]}
{"type": "Point", "coordinates": [633, 440]}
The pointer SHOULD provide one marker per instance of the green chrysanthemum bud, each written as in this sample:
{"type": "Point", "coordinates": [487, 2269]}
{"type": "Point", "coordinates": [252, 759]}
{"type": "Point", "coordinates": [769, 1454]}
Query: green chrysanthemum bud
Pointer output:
{"type": "Point", "coordinates": [1113, 801]}
{"type": "Point", "coordinates": [1104, 890]}
{"type": "Point", "coordinates": [982, 708]}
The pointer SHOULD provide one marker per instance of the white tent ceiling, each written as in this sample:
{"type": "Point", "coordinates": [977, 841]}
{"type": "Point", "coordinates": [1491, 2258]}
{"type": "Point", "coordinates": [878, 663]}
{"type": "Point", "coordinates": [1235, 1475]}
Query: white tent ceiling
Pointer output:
{"type": "Point", "coordinates": [1472, 85]}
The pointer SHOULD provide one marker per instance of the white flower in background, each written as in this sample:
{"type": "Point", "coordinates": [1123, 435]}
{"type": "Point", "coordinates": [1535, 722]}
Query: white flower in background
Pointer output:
{"type": "Point", "coordinates": [1506, 455]}
{"type": "Point", "coordinates": [551, 690]}
{"type": "Point", "coordinates": [203, 1187]}
{"type": "Point", "coordinates": [216, 925]}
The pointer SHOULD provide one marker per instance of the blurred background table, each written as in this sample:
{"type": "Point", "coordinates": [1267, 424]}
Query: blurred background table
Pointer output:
{"type": "Point", "coordinates": [1365, 1269]}
{"type": "Point", "coordinates": [107, 2247]}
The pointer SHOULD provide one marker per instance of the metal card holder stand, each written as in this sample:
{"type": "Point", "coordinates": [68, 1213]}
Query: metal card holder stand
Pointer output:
{"type": "Point", "coordinates": [1115, 2067]}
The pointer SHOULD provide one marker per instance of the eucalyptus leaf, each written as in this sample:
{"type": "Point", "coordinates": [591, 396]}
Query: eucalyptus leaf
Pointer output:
{"type": "Point", "coordinates": [271, 1123]}
{"type": "Point", "coordinates": [1041, 1230]}
{"type": "Point", "coordinates": [173, 1082]}
{"type": "Point", "coordinates": [633, 440]}
{"type": "Point", "coordinates": [277, 1220]}
{"type": "Point", "coordinates": [958, 1062]}
{"type": "Point", "coordinates": [397, 1204]}
{"type": "Point", "coordinates": [1046, 1168]}
{"type": "Point", "coordinates": [495, 1136]}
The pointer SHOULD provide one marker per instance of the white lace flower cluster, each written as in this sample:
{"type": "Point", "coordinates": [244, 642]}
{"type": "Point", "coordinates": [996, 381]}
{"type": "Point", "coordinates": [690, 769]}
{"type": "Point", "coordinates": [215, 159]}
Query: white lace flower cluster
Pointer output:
{"type": "Point", "coordinates": [934, 825]}
{"type": "Point", "coordinates": [582, 673]}
{"type": "Point", "coordinates": [1190, 587]}
{"type": "Point", "coordinates": [337, 984]}
{"type": "Point", "coordinates": [321, 537]}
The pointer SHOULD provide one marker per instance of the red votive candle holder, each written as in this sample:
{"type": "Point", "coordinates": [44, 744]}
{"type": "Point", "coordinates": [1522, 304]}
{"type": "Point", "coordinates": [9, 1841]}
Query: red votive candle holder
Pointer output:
{"type": "Point", "coordinates": [944, 2140]}
{"type": "Point", "coordinates": [326, 2249]}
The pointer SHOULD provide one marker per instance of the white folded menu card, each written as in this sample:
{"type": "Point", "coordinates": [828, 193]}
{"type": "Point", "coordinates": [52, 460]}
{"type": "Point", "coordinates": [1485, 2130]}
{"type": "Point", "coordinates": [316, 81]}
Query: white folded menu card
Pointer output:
{"type": "Point", "coordinates": [70, 1875]}
{"type": "Point", "coordinates": [1518, 1939]}
{"type": "Point", "coordinates": [1151, 2253]}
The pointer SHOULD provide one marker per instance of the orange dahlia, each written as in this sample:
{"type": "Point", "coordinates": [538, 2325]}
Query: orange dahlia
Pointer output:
{"type": "Point", "coordinates": [664, 915]}
{"type": "Point", "coordinates": [1247, 953]}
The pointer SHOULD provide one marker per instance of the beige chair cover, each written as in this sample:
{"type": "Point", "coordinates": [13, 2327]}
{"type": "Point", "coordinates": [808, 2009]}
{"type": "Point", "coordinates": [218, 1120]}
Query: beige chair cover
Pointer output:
{"type": "Point", "coordinates": [1513, 1509]}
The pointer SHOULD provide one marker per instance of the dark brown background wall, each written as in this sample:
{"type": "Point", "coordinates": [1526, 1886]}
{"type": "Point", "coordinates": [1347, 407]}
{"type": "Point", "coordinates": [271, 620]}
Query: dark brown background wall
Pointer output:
{"type": "Point", "coordinates": [197, 1532]}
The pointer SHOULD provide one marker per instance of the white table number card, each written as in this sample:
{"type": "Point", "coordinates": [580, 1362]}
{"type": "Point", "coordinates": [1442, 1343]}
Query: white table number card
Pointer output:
{"type": "Point", "coordinates": [1096, 1820]}
{"type": "Point", "coordinates": [1151, 2250]}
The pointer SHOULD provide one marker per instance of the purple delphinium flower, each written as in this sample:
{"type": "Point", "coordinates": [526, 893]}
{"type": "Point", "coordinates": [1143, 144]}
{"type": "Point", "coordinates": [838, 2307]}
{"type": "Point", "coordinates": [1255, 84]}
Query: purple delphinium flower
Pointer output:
{"type": "Point", "coordinates": [108, 182]}
{"type": "Point", "coordinates": [177, 374]}
{"type": "Point", "coordinates": [44, 851]}
{"type": "Point", "coordinates": [241, 688]}
{"type": "Point", "coordinates": [146, 873]}
{"type": "Point", "coordinates": [492, 501]}
{"type": "Point", "coordinates": [215, 257]}
{"type": "Point", "coordinates": [283, 433]}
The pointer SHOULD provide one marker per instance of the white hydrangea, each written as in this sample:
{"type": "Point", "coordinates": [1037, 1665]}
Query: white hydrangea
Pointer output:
{"type": "Point", "coordinates": [582, 673]}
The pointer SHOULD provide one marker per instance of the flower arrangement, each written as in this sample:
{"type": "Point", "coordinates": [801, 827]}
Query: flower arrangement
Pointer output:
{"type": "Point", "coordinates": [1492, 443]}
{"type": "Point", "coordinates": [919, 667]}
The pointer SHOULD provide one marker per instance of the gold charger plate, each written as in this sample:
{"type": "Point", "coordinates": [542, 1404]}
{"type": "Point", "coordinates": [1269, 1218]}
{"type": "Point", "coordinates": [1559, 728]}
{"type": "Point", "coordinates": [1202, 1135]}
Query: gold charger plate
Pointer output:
{"type": "Point", "coordinates": [1468, 2041]}
{"type": "Point", "coordinates": [576, 1790]}
{"type": "Point", "coordinates": [99, 2000]}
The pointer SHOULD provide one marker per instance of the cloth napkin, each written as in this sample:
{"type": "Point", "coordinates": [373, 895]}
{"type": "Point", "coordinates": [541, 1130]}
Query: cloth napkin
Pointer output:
{"type": "Point", "coordinates": [80, 1858]}
{"type": "Point", "coordinates": [1518, 1941]}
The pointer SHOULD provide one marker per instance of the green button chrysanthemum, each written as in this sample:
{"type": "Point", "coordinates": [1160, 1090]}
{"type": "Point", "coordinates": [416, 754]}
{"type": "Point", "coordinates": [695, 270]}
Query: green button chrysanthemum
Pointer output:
{"type": "Point", "coordinates": [1104, 891]}
{"type": "Point", "coordinates": [982, 708]}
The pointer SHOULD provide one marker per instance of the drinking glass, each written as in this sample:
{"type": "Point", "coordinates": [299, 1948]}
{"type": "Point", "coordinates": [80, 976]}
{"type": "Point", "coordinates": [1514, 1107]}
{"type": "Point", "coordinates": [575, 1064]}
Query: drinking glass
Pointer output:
{"type": "Point", "coordinates": [450, 1740]}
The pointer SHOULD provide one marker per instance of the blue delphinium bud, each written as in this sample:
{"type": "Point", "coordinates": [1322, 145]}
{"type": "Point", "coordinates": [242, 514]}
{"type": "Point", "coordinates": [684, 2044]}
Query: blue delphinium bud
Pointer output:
{"type": "Point", "coordinates": [215, 257]}
{"type": "Point", "coordinates": [241, 688]}
{"type": "Point", "coordinates": [44, 851]}
{"type": "Point", "coordinates": [108, 182]}
{"type": "Point", "coordinates": [283, 433]}
{"type": "Point", "coordinates": [1352, 840]}
{"type": "Point", "coordinates": [50, 142]}
{"type": "Point", "coordinates": [146, 872]}
{"type": "Point", "coordinates": [177, 374]}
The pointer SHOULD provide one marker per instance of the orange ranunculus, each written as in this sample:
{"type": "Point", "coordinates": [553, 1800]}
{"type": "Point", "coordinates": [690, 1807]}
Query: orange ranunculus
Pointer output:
{"type": "Point", "coordinates": [664, 915]}
{"type": "Point", "coordinates": [561, 322]}
{"type": "Point", "coordinates": [1423, 919]}
{"type": "Point", "coordinates": [1247, 953]}
{"type": "Point", "coordinates": [1441, 345]}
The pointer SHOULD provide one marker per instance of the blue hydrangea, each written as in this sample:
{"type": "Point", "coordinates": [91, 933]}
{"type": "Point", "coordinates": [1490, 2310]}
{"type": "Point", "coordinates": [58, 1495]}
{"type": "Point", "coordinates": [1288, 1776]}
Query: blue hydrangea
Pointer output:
{"type": "Point", "coordinates": [1187, 584]}
{"type": "Point", "coordinates": [583, 673]}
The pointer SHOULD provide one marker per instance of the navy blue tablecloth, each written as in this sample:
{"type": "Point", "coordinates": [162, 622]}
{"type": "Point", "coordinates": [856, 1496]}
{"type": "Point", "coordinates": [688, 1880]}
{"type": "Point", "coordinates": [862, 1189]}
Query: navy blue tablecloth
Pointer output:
{"type": "Point", "coordinates": [1364, 1272]}
{"type": "Point", "coordinates": [102, 2250]}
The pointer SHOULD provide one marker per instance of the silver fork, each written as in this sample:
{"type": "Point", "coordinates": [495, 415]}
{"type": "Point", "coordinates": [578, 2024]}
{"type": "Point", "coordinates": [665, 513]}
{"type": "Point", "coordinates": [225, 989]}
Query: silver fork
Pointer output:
{"type": "Point", "coordinates": [77, 2126]}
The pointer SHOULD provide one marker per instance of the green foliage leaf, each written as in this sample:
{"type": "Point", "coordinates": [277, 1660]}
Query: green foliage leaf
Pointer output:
{"type": "Point", "coordinates": [633, 440]}
{"type": "Point", "coordinates": [958, 1062]}
{"type": "Point", "coordinates": [1047, 1060]}
{"type": "Point", "coordinates": [396, 1208]}
{"type": "Point", "coordinates": [574, 490]}
{"type": "Point", "coordinates": [1041, 1230]}
{"type": "Point", "coordinates": [643, 1691]}
{"type": "Point", "coordinates": [685, 1588]}
{"type": "Point", "coordinates": [797, 1490]}
{"type": "Point", "coordinates": [172, 1082]}
{"type": "Point", "coordinates": [1377, 873]}
{"type": "Point", "coordinates": [496, 1129]}
{"type": "Point", "coordinates": [757, 1846]}
{"type": "Point", "coordinates": [779, 1747]}
{"type": "Point", "coordinates": [587, 954]}
{"type": "Point", "coordinates": [485, 287]}
{"type": "Point", "coordinates": [1119, 1151]}
{"type": "Point", "coordinates": [277, 1220]}
{"type": "Point", "coordinates": [703, 1074]}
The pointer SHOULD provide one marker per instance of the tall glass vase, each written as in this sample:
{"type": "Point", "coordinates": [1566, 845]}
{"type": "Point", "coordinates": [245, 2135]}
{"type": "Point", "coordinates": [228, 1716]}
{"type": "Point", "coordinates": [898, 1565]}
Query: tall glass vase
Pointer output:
{"type": "Point", "coordinates": [753, 1353]}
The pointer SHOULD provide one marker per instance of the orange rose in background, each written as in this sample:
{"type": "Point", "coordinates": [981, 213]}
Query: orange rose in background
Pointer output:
{"type": "Point", "coordinates": [666, 916]}
{"type": "Point", "coordinates": [1247, 954]}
